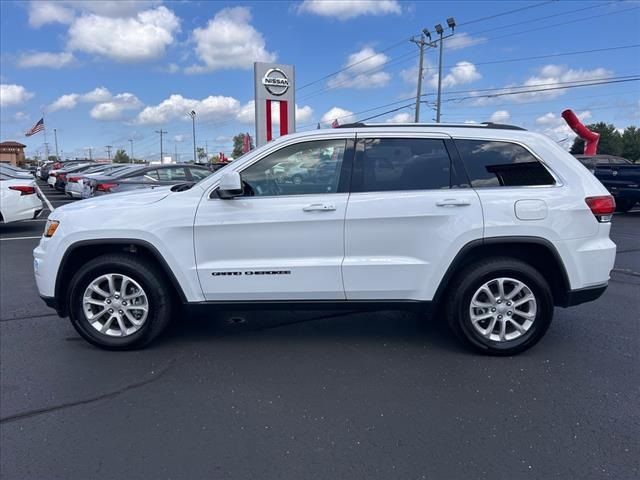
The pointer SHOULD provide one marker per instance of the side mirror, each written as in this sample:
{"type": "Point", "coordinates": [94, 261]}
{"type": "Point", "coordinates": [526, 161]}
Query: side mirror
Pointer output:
{"type": "Point", "coordinates": [230, 186]}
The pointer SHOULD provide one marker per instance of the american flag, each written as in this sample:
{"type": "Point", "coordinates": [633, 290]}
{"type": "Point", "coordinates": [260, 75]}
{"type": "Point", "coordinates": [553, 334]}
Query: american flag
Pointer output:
{"type": "Point", "coordinates": [38, 127]}
{"type": "Point", "coordinates": [335, 124]}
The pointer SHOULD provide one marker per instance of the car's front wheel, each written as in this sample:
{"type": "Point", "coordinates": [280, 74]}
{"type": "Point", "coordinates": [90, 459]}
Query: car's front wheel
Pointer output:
{"type": "Point", "coordinates": [119, 302]}
{"type": "Point", "coordinates": [500, 306]}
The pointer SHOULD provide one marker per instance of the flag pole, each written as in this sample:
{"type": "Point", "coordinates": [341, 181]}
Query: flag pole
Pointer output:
{"type": "Point", "coordinates": [44, 129]}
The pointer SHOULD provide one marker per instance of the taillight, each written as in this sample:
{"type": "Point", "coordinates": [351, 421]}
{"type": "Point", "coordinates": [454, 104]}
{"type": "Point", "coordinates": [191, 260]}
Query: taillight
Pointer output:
{"type": "Point", "coordinates": [105, 187]}
{"type": "Point", "coordinates": [73, 179]}
{"type": "Point", "coordinates": [54, 174]}
{"type": "Point", "coordinates": [24, 190]}
{"type": "Point", "coordinates": [602, 207]}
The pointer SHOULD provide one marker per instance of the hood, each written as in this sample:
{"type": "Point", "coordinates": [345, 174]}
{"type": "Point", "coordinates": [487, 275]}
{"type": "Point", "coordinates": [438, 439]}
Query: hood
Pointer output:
{"type": "Point", "coordinates": [133, 198]}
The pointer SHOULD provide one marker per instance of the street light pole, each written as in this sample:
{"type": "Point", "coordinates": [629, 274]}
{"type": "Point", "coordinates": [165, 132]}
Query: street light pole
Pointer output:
{"type": "Point", "coordinates": [161, 132]}
{"type": "Point", "coordinates": [55, 136]}
{"type": "Point", "coordinates": [439, 81]}
{"type": "Point", "coordinates": [451, 23]}
{"type": "Point", "coordinates": [131, 142]}
{"type": "Point", "coordinates": [192, 114]}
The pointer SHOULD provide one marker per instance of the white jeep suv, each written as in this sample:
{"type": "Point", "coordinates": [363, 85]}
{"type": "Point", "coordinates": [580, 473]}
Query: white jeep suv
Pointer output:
{"type": "Point", "coordinates": [494, 224]}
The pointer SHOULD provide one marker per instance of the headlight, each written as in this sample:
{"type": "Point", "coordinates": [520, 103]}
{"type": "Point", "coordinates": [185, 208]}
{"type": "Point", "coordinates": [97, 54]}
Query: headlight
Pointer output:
{"type": "Point", "coordinates": [50, 228]}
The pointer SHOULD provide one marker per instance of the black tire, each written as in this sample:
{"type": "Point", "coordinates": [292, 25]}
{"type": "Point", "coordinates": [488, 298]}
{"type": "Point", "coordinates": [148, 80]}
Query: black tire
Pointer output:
{"type": "Point", "coordinates": [623, 205]}
{"type": "Point", "coordinates": [297, 179]}
{"type": "Point", "coordinates": [148, 276]}
{"type": "Point", "coordinates": [468, 281]}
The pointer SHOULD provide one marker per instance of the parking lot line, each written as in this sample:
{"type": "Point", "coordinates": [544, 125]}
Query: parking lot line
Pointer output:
{"type": "Point", "coordinates": [44, 197]}
{"type": "Point", "coordinates": [18, 238]}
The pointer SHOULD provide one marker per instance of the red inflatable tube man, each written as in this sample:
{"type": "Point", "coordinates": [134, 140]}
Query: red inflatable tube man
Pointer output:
{"type": "Point", "coordinates": [590, 138]}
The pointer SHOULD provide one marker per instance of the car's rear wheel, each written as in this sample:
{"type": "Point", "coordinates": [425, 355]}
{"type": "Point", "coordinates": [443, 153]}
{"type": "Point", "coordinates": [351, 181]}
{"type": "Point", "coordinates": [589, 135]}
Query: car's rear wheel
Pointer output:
{"type": "Point", "coordinates": [500, 306]}
{"type": "Point", "coordinates": [119, 302]}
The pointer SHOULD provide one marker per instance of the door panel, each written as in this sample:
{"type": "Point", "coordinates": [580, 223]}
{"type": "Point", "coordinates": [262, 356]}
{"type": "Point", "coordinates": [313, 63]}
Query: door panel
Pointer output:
{"type": "Point", "coordinates": [284, 240]}
{"type": "Point", "coordinates": [400, 240]}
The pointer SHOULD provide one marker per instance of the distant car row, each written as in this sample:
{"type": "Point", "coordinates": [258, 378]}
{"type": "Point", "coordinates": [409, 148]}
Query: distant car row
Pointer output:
{"type": "Point", "coordinates": [87, 180]}
{"type": "Point", "coordinates": [619, 175]}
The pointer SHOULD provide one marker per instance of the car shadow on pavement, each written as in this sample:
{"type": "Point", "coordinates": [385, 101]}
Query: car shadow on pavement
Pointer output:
{"type": "Point", "coordinates": [315, 326]}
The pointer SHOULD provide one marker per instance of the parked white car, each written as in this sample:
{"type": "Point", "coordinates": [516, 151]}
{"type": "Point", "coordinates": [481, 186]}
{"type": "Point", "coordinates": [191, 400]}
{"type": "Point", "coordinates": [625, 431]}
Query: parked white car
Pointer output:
{"type": "Point", "coordinates": [19, 200]}
{"type": "Point", "coordinates": [495, 224]}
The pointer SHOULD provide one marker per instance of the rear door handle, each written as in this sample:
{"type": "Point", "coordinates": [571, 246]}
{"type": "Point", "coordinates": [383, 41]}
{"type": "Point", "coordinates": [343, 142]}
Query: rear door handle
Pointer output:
{"type": "Point", "coordinates": [453, 202]}
{"type": "Point", "coordinates": [319, 207]}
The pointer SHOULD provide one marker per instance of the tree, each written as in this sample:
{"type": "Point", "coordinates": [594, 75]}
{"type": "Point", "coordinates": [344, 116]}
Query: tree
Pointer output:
{"type": "Point", "coordinates": [201, 154]}
{"type": "Point", "coordinates": [121, 157]}
{"type": "Point", "coordinates": [631, 143]}
{"type": "Point", "coordinates": [610, 140]}
{"type": "Point", "coordinates": [238, 142]}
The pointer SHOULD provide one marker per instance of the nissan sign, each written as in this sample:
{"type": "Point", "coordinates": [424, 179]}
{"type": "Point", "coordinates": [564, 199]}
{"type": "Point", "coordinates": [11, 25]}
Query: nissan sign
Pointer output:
{"type": "Point", "coordinates": [276, 82]}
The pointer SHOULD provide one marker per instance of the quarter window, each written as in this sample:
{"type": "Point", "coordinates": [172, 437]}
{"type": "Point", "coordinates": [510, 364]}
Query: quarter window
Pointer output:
{"type": "Point", "coordinates": [501, 164]}
{"type": "Point", "coordinates": [304, 168]}
{"type": "Point", "coordinates": [172, 174]}
{"type": "Point", "coordinates": [388, 164]}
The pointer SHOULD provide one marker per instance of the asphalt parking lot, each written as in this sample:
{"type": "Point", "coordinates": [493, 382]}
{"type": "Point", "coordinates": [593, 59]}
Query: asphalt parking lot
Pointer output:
{"type": "Point", "coordinates": [318, 394]}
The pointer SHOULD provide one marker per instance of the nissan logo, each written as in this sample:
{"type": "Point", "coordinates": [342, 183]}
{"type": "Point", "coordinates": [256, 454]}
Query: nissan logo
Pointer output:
{"type": "Point", "coordinates": [276, 82]}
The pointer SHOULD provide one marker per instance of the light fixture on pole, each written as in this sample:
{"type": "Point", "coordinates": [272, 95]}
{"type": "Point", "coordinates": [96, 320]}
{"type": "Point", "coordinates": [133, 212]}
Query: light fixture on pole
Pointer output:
{"type": "Point", "coordinates": [192, 114]}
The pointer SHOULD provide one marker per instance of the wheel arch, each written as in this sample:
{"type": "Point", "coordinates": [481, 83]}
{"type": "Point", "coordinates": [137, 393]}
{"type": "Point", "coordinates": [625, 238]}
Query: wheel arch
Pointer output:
{"type": "Point", "coordinates": [80, 252]}
{"type": "Point", "coordinates": [539, 252]}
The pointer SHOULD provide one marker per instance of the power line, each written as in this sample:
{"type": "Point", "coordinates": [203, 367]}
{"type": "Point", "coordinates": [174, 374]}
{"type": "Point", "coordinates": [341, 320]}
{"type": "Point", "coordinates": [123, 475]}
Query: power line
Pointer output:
{"type": "Point", "coordinates": [603, 82]}
{"type": "Point", "coordinates": [404, 40]}
{"type": "Point", "coordinates": [509, 12]}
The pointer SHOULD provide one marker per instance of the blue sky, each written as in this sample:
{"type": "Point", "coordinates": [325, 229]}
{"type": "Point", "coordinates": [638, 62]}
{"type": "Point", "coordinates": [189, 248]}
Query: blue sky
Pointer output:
{"type": "Point", "coordinates": [106, 72]}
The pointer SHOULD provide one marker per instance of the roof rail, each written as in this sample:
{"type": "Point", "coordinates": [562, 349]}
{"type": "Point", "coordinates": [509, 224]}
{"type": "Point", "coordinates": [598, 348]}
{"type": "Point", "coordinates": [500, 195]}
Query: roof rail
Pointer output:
{"type": "Point", "coordinates": [491, 125]}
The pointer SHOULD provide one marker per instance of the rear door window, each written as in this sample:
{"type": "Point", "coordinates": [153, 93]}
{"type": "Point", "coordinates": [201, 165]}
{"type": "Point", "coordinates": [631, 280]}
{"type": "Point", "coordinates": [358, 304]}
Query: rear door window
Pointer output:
{"type": "Point", "coordinates": [396, 164]}
{"type": "Point", "coordinates": [501, 164]}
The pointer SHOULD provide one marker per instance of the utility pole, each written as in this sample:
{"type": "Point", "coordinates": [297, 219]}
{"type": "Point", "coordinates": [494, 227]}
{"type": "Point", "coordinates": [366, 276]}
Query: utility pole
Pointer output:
{"type": "Point", "coordinates": [161, 132]}
{"type": "Point", "coordinates": [175, 152]}
{"type": "Point", "coordinates": [206, 148]}
{"type": "Point", "coordinates": [55, 136]}
{"type": "Point", "coordinates": [192, 114]}
{"type": "Point", "coordinates": [108, 147]}
{"type": "Point", "coordinates": [90, 151]}
{"type": "Point", "coordinates": [131, 142]}
{"type": "Point", "coordinates": [421, 42]}
{"type": "Point", "coordinates": [451, 23]}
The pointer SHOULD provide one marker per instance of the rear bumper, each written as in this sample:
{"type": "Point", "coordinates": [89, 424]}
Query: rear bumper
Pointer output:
{"type": "Point", "coordinates": [584, 295]}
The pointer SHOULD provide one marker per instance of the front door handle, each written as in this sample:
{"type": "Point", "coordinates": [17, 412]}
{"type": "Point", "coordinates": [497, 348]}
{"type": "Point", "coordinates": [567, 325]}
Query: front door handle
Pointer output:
{"type": "Point", "coordinates": [453, 202]}
{"type": "Point", "coordinates": [319, 207]}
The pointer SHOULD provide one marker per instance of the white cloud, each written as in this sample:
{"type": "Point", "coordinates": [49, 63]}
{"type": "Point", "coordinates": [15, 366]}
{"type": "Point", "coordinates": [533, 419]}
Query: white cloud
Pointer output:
{"type": "Point", "coordinates": [131, 39]}
{"type": "Point", "coordinates": [402, 117]}
{"type": "Point", "coordinates": [555, 127]}
{"type": "Point", "coordinates": [246, 113]}
{"type": "Point", "coordinates": [362, 71]}
{"type": "Point", "coordinates": [336, 113]}
{"type": "Point", "coordinates": [229, 41]}
{"type": "Point", "coordinates": [500, 116]}
{"type": "Point", "coordinates": [41, 13]}
{"type": "Point", "coordinates": [177, 106]}
{"type": "Point", "coordinates": [178, 138]}
{"type": "Point", "coordinates": [70, 100]}
{"type": "Point", "coordinates": [65, 102]}
{"type": "Point", "coordinates": [303, 114]}
{"type": "Point", "coordinates": [346, 9]}
{"type": "Point", "coordinates": [113, 109]}
{"type": "Point", "coordinates": [548, 76]}
{"type": "Point", "coordinates": [99, 94]}
{"type": "Point", "coordinates": [45, 59]}
{"type": "Point", "coordinates": [109, 8]}
{"type": "Point", "coordinates": [460, 74]}
{"type": "Point", "coordinates": [463, 40]}
{"type": "Point", "coordinates": [11, 94]}
{"type": "Point", "coordinates": [20, 116]}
